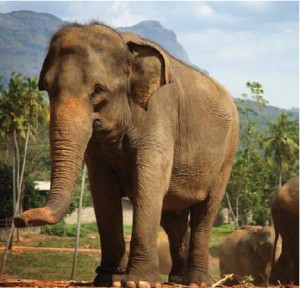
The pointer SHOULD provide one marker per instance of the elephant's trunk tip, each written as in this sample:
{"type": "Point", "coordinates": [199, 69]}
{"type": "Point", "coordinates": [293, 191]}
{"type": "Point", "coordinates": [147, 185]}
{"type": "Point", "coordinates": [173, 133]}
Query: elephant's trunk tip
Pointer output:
{"type": "Point", "coordinates": [35, 217]}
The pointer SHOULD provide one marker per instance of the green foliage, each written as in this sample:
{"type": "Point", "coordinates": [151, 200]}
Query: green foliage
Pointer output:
{"type": "Point", "coordinates": [21, 105]}
{"type": "Point", "coordinates": [248, 173]}
{"type": "Point", "coordinates": [23, 108]}
{"type": "Point", "coordinates": [248, 280]}
{"type": "Point", "coordinates": [86, 200]}
{"type": "Point", "coordinates": [281, 145]}
{"type": "Point", "coordinates": [58, 229]}
{"type": "Point", "coordinates": [69, 230]}
{"type": "Point", "coordinates": [5, 192]}
{"type": "Point", "coordinates": [32, 197]}
{"type": "Point", "coordinates": [253, 181]}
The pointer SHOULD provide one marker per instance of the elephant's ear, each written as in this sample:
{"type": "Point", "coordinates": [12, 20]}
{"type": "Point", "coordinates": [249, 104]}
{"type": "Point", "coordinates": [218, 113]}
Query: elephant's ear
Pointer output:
{"type": "Point", "coordinates": [150, 68]}
{"type": "Point", "coordinates": [45, 67]}
{"type": "Point", "coordinates": [253, 240]}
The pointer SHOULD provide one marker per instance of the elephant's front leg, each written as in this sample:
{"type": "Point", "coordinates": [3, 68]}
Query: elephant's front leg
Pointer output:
{"type": "Point", "coordinates": [152, 180]}
{"type": "Point", "coordinates": [106, 194]}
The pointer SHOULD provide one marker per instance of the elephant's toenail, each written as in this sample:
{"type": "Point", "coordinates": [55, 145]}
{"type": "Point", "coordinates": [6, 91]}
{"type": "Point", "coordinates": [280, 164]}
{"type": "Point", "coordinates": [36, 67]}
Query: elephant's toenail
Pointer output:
{"type": "Point", "coordinates": [144, 284]}
{"type": "Point", "coordinates": [193, 285]}
{"type": "Point", "coordinates": [117, 284]}
{"type": "Point", "coordinates": [130, 284]}
{"type": "Point", "coordinates": [157, 285]}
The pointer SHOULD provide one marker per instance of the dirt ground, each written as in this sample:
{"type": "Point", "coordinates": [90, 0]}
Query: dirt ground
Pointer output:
{"type": "Point", "coordinates": [68, 284]}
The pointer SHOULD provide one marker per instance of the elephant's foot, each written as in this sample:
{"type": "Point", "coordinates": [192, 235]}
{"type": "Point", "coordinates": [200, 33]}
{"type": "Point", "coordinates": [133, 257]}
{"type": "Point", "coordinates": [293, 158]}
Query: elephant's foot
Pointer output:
{"type": "Point", "coordinates": [198, 279]}
{"type": "Point", "coordinates": [145, 280]}
{"type": "Point", "coordinates": [176, 279]}
{"type": "Point", "coordinates": [109, 277]}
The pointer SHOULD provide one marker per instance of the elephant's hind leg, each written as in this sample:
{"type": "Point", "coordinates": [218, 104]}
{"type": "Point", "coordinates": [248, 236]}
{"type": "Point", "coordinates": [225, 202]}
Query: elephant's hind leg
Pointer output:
{"type": "Point", "coordinates": [176, 227]}
{"type": "Point", "coordinates": [202, 218]}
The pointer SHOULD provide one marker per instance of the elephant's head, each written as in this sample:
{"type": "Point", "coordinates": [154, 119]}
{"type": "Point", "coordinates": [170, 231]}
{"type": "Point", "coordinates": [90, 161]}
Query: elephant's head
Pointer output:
{"type": "Point", "coordinates": [262, 243]}
{"type": "Point", "coordinates": [92, 75]}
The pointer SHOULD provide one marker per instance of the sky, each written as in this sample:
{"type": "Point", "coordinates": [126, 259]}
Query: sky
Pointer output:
{"type": "Point", "coordinates": [235, 42]}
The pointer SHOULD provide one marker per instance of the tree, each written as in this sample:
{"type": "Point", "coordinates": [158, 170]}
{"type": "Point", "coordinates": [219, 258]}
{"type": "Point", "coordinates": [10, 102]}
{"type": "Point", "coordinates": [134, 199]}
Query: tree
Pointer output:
{"type": "Point", "coordinates": [32, 198]}
{"type": "Point", "coordinates": [281, 145]}
{"type": "Point", "coordinates": [22, 108]}
{"type": "Point", "coordinates": [244, 193]}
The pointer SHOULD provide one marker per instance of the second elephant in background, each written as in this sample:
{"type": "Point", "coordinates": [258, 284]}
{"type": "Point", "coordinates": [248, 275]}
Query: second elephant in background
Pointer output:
{"type": "Point", "coordinates": [249, 251]}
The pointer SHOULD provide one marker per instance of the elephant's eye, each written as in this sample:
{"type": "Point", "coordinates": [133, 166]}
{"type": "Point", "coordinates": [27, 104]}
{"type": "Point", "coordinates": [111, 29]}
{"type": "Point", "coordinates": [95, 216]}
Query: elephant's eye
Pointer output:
{"type": "Point", "coordinates": [99, 94]}
{"type": "Point", "coordinates": [98, 89]}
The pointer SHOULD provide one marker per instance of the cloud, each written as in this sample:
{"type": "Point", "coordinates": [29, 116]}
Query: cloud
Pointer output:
{"type": "Point", "coordinates": [121, 14]}
{"type": "Point", "coordinates": [269, 56]}
{"type": "Point", "coordinates": [204, 10]}
{"type": "Point", "coordinates": [126, 18]}
{"type": "Point", "coordinates": [256, 6]}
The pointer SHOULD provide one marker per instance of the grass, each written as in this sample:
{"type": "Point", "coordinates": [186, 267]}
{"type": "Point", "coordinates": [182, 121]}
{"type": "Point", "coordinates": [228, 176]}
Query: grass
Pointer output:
{"type": "Point", "coordinates": [56, 265]}
{"type": "Point", "coordinates": [49, 265]}
{"type": "Point", "coordinates": [217, 236]}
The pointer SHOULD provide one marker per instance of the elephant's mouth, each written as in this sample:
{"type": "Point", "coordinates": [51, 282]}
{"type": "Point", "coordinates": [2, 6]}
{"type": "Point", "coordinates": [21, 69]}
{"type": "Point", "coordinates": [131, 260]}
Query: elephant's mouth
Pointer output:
{"type": "Point", "coordinates": [105, 131]}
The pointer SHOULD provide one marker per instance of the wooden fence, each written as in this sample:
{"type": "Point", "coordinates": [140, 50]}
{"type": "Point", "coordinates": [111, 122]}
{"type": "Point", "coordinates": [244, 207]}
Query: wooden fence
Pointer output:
{"type": "Point", "coordinates": [5, 225]}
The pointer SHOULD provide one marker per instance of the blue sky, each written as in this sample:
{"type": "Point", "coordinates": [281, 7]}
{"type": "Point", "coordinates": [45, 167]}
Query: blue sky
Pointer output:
{"type": "Point", "coordinates": [235, 41]}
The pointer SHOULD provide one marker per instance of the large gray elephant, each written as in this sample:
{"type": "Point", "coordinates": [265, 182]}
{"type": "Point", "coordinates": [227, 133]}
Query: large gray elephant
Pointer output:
{"type": "Point", "coordinates": [285, 214]}
{"type": "Point", "coordinates": [249, 251]}
{"type": "Point", "coordinates": [150, 128]}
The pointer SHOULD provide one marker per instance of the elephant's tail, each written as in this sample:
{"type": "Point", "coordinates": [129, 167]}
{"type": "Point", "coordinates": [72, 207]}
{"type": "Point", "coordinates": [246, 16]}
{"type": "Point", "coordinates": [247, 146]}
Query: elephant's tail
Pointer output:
{"type": "Point", "coordinates": [275, 245]}
{"type": "Point", "coordinates": [276, 236]}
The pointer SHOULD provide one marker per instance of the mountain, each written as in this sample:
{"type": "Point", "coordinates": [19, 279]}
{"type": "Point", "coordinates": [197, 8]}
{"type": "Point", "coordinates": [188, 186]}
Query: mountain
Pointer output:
{"type": "Point", "coordinates": [167, 39]}
{"type": "Point", "coordinates": [25, 35]}
{"type": "Point", "coordinates": [268, 114]}
{"type": "Point", "coordinates": [154, 31]}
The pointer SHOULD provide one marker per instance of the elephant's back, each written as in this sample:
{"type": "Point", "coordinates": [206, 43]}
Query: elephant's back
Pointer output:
{"type": "Point", "coordinates": [231, 243]}
{"type": "Point", "coordinates": [207, 113]}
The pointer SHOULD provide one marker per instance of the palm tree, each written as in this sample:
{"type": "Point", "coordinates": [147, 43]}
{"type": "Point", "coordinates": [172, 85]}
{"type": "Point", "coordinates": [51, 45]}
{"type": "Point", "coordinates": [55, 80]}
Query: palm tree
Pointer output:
{"type": "Point", "coordinates": [280, 146]}
{"type": "Point", "coordinates": [22, 107]}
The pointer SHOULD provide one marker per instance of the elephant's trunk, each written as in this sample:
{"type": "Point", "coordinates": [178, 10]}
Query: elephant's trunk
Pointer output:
{"type": "Point", "coordinates": [68, 146]}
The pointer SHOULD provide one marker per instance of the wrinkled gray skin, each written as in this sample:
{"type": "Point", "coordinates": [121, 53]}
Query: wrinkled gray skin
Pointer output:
{"type": "Point", "coordinates": [248, 252]}
{"type": "Point", "coordinates": [150, 128]}
{"type": "Point", "coordinates": [285, 214]}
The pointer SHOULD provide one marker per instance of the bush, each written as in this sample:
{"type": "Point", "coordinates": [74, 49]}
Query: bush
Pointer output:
{"type": "Point", "coordinates": [56, 229]}
{"type": "Point", "coordinates": [32, 197]}
{"type": "Point", "coordinates": [69, 230]}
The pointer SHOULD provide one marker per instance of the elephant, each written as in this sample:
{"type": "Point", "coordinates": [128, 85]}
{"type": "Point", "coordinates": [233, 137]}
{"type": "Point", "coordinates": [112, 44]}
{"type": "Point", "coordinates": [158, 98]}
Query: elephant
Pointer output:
{"type": "Point", "coordinates": [150, 128]}
{"type": "Point", "coordinates": [249, 251]}
{"type": "Point", "coordinates": [285, 215]}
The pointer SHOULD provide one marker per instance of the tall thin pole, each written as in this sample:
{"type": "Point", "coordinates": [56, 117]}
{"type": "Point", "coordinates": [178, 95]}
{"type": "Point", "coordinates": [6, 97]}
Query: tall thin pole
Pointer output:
{"type": "Point", "coordinates": [74, 266]}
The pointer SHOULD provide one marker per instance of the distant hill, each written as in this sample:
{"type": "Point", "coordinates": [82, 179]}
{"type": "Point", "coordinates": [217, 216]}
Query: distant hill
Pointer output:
{"type": "Point", "coordinates": [25, 35]}
{"type": "Point", "coordinates": [156, 32]}
{"type": "Point", "coordinates": [270, 113]}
